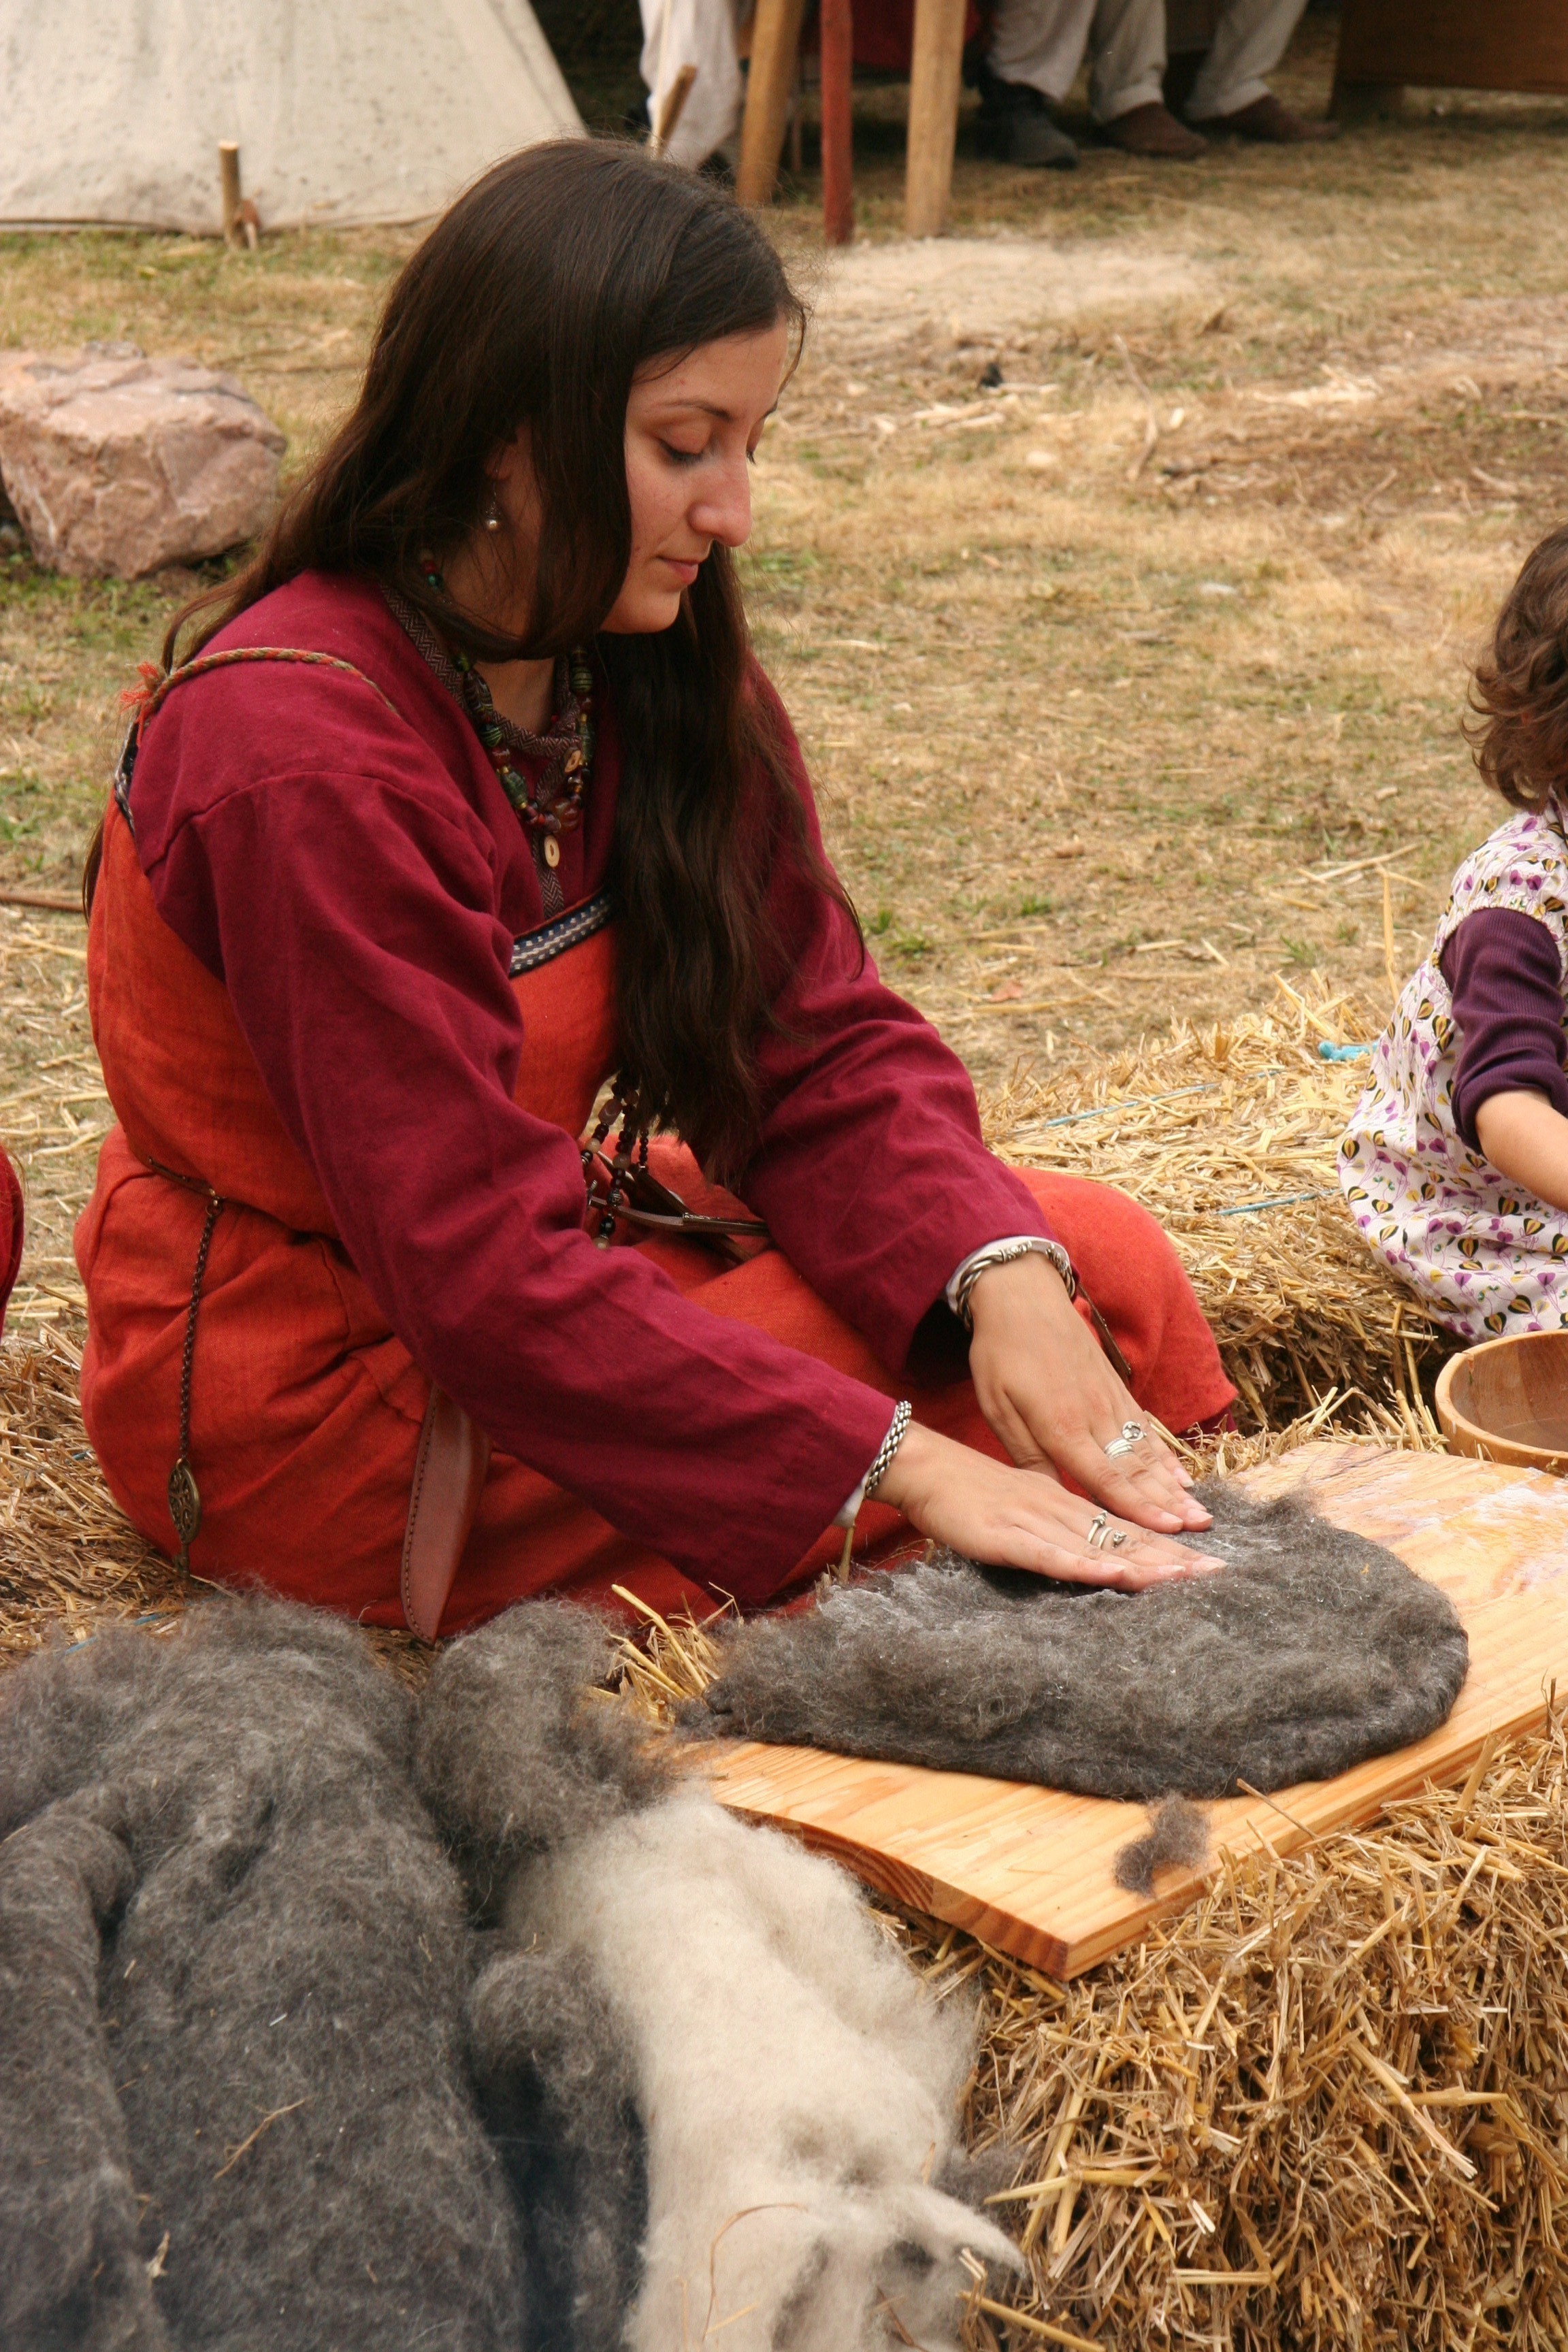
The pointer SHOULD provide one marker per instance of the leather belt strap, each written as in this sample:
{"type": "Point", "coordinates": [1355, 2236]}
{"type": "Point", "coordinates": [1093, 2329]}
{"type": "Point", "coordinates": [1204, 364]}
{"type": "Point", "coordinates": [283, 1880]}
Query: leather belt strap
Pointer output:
{"type": "Point", "coordinates": [450, 1471]}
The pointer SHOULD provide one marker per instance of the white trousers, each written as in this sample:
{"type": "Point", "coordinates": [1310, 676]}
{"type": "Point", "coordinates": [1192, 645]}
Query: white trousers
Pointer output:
{"type": "Point", "coordinates": [1042, 42]}
{"type": "Point", "coordinates": [699, 33]}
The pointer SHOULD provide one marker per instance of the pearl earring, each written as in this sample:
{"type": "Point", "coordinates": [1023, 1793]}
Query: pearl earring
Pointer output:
{"type": "Point", "coordinates": [492, 519]}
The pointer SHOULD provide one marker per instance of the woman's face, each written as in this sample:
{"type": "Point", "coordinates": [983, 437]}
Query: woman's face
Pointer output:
{"type": "Point", "coordinates": [691, 433]}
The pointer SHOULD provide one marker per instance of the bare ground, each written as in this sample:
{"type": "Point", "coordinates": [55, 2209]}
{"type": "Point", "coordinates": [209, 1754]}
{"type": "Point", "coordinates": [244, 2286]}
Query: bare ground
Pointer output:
{"type": "Point", "coordinates": [1126, 681]}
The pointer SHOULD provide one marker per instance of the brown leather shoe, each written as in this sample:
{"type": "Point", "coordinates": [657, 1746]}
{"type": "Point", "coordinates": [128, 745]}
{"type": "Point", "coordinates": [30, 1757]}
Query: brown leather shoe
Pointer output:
{"type": "Point", "coordinates": [1153, 129]}
{"type": "Point", "coordinates": [1265, 118]}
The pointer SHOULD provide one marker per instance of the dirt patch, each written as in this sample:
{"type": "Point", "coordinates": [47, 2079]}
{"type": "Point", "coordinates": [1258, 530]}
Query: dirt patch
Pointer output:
{"type": "Point", "coordinates": [877, 299]}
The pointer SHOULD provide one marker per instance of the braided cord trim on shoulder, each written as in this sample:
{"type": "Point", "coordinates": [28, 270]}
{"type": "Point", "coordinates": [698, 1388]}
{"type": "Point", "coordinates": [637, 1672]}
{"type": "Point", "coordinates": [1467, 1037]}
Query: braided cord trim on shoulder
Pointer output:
{"type": "Point", "coordinates": [143, 700]}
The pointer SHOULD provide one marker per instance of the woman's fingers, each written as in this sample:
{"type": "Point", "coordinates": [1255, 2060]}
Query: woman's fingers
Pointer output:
{"type": "Point", "coordinates": [1143, 1485]}
{"type": "Point", "coordinates": [1146, 1484]}
{"type": "Point", "coordinates": [1019, 1518]}
{"type": "Point", "coordinates": [1124, 1558]}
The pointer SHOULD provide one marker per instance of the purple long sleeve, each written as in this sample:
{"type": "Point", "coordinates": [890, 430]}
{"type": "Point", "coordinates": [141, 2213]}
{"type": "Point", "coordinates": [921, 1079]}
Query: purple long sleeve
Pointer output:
{"type": "Point", "coordinates": [1505, 977]}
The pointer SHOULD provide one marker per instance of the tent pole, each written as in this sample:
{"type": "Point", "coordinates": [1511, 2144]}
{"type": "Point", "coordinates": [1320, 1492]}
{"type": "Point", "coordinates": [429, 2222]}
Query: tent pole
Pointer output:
{"type": "Point", "coordinates": [935, 71]}
{"type": "Point", "coordinates": [775, 37]}
{"type": "Point", "coordinates": [228, 186]}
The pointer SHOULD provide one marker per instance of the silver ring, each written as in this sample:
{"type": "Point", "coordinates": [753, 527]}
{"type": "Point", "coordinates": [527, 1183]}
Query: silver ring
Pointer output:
{"type": "Point", "coordinates": [1099, 1528]}
{"type": "Point", "coordinates": [1118, 1539]}
{"type": "Point", "coordinates": [1132, 1435]}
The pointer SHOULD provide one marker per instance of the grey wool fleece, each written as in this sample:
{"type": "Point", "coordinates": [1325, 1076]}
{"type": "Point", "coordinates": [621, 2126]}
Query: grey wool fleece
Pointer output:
{"type": "Point", "coordinates": [517, 1761]}
{"type": "Point", "coordinates": [1311, 1651]}
{"type": "Point", "coordinates": [235, 2108]}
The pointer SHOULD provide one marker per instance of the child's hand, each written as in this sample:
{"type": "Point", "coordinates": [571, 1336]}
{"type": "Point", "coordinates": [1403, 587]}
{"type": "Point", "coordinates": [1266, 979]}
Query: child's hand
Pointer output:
{"type": "Point", "coordinates": [1526, 1139]}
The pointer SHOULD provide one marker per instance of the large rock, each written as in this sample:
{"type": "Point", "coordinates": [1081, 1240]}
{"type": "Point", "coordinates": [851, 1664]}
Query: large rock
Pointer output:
{"type": "Point", "coordinates": [118, 463]}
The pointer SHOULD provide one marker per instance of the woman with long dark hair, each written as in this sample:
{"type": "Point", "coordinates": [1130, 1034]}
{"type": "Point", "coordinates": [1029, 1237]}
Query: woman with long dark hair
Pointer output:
{"type": "Point", "coordinates": [463, 804]}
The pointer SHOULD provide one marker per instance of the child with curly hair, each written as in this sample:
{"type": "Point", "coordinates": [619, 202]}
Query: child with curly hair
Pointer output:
{"type": "Point", "coordinates": [1455, 1163]}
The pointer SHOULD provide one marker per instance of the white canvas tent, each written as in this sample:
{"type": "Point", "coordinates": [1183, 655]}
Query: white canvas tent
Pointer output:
{"type": "Point", "coordinates": [345, 111]}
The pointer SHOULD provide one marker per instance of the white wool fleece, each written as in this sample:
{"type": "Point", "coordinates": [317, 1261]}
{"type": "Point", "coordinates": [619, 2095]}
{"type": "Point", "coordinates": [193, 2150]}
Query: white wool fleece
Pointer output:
{"type": "Point", "coordinates": [798, 2085]}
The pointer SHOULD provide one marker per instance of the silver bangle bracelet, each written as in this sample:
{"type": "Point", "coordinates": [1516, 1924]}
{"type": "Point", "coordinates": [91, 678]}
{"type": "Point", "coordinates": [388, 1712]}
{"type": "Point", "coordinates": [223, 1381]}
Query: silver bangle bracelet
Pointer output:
{"type": "Point", "coordinates": [1005, 1254]}
{"type": "Point", "coordinates": [903, 1413]}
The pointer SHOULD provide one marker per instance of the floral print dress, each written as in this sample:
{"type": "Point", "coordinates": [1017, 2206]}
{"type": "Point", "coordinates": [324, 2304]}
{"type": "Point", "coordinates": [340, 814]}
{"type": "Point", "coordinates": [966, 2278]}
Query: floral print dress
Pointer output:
{"type": "Point", "coordinates": [1486, 1256]}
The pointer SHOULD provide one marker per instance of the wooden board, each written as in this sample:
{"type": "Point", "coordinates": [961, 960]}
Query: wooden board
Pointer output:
{"type": "Point", "coordinates": [1029, 1869]}
{"type": "Point", "coordinates": [1454, 44]}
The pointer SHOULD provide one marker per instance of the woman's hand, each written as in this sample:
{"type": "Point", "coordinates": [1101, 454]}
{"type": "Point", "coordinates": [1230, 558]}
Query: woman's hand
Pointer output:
{"type": "Point", "coordinates": [1046, 1388]}
{"type": "Point", "coordinates": [1018, 1518]}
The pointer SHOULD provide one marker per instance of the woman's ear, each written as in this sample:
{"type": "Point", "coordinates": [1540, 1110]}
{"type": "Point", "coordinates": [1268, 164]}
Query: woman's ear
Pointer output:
{"type": "Point", "coordinates": [515, 490]}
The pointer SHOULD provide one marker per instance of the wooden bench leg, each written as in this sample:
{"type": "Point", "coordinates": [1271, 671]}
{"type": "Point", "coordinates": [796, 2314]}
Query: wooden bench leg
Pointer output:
{"type": "Point", "coordinates": [935, 70]}
{"type": "Point", "coordinates": [775, 37]}
{"type": "Point", "coordinates": [837, 38]}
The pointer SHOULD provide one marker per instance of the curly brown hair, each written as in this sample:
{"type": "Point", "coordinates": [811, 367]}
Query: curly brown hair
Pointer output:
{"type": "Point", "coordinates": [1519, 736]}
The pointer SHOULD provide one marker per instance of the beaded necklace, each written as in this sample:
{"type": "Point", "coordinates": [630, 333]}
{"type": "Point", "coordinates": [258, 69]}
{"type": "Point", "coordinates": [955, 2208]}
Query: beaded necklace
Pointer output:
{"type": "Point", "coordinates": [559, 815]}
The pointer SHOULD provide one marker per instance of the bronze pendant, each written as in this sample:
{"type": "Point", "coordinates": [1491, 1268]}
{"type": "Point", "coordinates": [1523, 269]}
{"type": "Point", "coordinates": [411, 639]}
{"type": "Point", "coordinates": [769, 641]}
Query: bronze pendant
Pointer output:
{"type": "Point", "coordinates": [184, 1508]}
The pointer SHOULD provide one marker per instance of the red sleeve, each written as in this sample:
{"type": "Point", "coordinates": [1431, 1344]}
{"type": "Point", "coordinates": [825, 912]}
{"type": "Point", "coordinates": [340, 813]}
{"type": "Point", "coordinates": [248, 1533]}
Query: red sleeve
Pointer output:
{"type": "Point", "coordinates": [351, 915]}
{"type": "Point", "coordinates": [871, 1173]}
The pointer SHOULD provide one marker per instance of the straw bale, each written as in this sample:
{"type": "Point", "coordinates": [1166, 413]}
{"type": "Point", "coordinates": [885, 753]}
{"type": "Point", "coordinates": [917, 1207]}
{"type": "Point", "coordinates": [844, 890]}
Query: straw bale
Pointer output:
{"type": "Point", "coordinates": [1323, 2108]}
{"type": "Point", "coordinates": [1228, 1136]}
{"type": "Point", "coordinates": [70, 1558]}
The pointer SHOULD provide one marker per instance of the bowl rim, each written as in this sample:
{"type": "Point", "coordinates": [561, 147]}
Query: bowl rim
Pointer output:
{"type": "Point", "coordinates": [1452, 1421]}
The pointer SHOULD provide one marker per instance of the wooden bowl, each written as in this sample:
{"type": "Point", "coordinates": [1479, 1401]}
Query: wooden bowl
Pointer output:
{"type": "Point", "coordinates": [1506, 1400]}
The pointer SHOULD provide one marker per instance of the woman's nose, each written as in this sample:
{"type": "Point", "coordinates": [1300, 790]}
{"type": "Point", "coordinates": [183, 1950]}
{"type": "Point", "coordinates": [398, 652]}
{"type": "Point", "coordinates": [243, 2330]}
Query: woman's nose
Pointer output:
{"type": "Point", "coordinates": [724, 510]}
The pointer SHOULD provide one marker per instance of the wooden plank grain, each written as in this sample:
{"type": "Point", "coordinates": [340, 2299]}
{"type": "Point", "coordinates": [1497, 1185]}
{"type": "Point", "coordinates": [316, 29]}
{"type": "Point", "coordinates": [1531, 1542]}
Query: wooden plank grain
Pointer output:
{"type": "Point", "coordinates": [1032, 1870]}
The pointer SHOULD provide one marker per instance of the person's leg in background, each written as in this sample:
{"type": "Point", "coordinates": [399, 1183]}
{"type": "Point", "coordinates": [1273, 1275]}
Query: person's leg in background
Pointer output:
{"type": "Point", "coordinates": [1036, 47]}
{"type": "Point", "coordinates": [1232, 93]}
{"type": "Point", "coordinates": [1127, 68]}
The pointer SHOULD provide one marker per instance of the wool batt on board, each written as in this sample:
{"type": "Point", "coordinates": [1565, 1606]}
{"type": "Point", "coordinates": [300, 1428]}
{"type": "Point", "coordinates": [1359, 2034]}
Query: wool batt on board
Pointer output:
{"type": "Point", "coordinates": [1311, 1651]}
{"type": "Point", "coordinates": [788, 2084]}
{"type": "Point", "coordinates": [233, 2103]}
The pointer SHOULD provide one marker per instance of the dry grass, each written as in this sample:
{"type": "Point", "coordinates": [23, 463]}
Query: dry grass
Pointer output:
{"type": "Point", "coordinates": [54, 1110]}
{"type": "Point", "coordinates": [69, 1559]}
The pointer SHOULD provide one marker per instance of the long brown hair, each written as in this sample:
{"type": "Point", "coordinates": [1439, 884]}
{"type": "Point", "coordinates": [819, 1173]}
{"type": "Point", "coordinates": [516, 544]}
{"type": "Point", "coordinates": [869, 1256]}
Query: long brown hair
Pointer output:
{"type": "Point", "coordinates": [1518, 693]}
{"type": "Point", "coordinates": [534, 302]}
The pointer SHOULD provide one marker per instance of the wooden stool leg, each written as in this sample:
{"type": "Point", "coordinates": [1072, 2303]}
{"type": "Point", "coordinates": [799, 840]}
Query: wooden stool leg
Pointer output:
{"type": "Point", "coordinates": [775, 37]}
{"type": "Point", "coordinates": [837, 38]}
{"type": "Point", "coordinates": [934, 73]}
